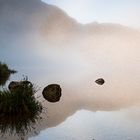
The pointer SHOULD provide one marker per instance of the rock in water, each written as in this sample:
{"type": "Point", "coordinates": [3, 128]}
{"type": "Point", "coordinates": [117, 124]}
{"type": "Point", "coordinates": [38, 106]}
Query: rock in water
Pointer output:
{"type": "Point", "coordinates": [16, 84]}
{"type": "Point", "coordinates": [52, 93]}
{"type": "Point", "coordinates": [100, 81]}
{"type": "Point", "coordinates": [13, 85]}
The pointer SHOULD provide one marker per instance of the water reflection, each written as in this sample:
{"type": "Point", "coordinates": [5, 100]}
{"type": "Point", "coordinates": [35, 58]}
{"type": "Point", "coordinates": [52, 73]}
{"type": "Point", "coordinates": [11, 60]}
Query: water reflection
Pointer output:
{"type": "Point", "coordinates": [101, 125]}
{"type": "Point", "coordinates": [50, 47]}
{"type": "Point", "coordinates": [105, 50]}
{"type": "Point", "coordinates": [77, 74]}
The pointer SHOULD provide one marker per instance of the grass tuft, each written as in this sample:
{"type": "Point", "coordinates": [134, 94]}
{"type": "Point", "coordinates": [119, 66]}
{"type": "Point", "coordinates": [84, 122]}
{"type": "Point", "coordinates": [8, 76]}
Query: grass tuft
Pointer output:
{"type": "Point", "coordinates": [19, 109]}
{"type": "Point", "coordinates": [5, 73]}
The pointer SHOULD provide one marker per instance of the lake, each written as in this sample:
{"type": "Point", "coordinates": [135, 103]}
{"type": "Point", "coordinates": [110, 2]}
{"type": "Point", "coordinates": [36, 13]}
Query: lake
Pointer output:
{"type": "Point", "coordinates": [86, 110]}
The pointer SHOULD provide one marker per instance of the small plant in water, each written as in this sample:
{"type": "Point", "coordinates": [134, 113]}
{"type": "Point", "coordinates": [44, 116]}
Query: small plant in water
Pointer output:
{"type": "Point", "coordinates": [5, 73]}
{"type": "Point", "coordinates": [19, 110]}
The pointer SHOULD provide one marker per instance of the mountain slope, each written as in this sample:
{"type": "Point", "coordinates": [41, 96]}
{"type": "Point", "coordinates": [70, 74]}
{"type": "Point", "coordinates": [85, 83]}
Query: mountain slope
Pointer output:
{"type": "Point", "coordinates": [52, 23]}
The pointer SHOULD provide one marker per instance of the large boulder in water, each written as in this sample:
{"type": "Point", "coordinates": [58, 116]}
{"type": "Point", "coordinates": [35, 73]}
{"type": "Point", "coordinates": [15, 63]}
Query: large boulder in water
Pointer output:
{"type": "Point", "coordinates": [52, 93]}
{"type": "Point", "coordinates": [100, 81]}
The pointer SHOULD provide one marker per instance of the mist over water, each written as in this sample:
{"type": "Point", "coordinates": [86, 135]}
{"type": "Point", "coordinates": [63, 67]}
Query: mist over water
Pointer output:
{"type": "Point", "coordinates": [74, 56]}
{"type": "Point", "coordinates": [75, 68]}
{"type": "Point", "coordinates": [78, 65]}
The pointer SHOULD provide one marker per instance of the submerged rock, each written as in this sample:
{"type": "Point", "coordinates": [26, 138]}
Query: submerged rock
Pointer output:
{"type": "Point", "coordinates": [13, 85]}
{"type": "Point", "coordinates": [16, 84]}
{"type": "Point", "coordinates": [52, 93]}
{"type": "Point", "coordinates": [100, 81]}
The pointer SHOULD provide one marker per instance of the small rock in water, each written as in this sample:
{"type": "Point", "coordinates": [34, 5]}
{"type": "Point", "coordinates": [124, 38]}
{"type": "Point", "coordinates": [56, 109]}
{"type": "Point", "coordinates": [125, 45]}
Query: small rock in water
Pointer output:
{"type": "Point", "coordinates": [100, 81]}
{"type": "Point", "coordinates": [52, 93]}
{"type": "Point", "coordinates": [16, 84]}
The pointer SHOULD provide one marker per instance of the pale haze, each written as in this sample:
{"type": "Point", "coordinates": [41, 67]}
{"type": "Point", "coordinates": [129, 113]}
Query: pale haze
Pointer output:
{"type": "Point", "coordinates": [126, 12]}
{"type": "Point", "coordinates": [73, 44]}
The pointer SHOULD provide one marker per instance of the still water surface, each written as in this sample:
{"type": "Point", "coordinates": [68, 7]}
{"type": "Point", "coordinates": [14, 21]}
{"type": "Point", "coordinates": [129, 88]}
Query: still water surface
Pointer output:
{"type": "Point", "coordinates": [86, 110]}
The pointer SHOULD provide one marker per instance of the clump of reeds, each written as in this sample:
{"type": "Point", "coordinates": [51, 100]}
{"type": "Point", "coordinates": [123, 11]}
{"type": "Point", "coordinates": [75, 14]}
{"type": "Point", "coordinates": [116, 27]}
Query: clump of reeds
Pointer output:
{"type": "Point", "coordinates": [19, 109]}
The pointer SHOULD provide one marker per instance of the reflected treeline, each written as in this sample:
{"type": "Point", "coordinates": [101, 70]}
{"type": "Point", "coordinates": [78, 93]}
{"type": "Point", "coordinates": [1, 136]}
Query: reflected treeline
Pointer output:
{"type": "Point", "coordinates": [19, 109]}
